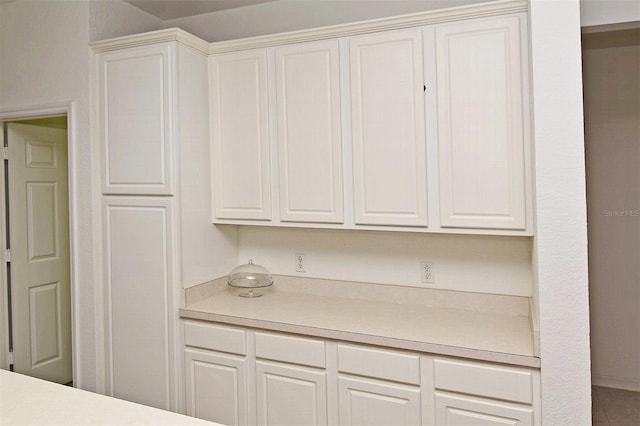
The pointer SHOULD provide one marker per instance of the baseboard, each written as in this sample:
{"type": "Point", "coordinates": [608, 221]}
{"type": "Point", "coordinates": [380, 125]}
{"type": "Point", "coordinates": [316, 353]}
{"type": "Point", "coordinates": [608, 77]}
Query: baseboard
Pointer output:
{"type": "Point", "coordinates": [615, 382]}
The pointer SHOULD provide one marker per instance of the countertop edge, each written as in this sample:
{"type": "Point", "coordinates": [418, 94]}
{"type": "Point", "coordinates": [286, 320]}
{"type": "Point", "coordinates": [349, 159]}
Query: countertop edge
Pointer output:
{"type": "Point", "coordinates": [390, 342]}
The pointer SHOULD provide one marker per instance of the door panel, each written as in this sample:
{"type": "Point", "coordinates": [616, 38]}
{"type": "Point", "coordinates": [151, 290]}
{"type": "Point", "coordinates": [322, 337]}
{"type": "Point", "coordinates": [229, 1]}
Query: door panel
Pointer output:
{"type": "Point", "coordinates": [39, 242]}
{"type": "Point", "coordinates": [136, 117]}
{"type": "Point", "coordinates": [309, 132]}
{"type": "Point", "coordinates": [139, 286]}
{"type": "Point", "coordinates": [480, 124]}
{"type": "Point", "coordinates": [389, 158]}
{"type": "Point", "coordinates": [239, 134]}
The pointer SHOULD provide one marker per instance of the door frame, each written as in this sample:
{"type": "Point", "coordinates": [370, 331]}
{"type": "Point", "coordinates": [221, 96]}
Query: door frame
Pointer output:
{"type": "Point", "coordinates": [28, 113]}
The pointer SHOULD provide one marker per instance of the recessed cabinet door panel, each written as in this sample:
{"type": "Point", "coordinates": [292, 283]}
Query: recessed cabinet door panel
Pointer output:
{"type": "Point", "coordinates": [289, 395]}
{"type": "Point", "coordinates": [389, 160]}
{"type": "Point", "coordinates": [480, 124]}
{"type": "Point", "coordinates": [135, 119]}
{"type": "Point", "coordinates": [372, 403]}
{"type": "Point", "coordinates": [461, 410]}
{"type": "Point", "coordinates": [139, 286]}
{"type": "Point", "coordinates": [216, 387]}
{"type": "Point", "coordinates": [239, 129]}
{"type": "Point", "coordinates": [309, 132]}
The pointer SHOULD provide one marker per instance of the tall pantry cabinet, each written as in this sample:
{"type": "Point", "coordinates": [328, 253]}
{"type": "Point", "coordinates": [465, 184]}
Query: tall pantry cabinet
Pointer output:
{"type": "Point", "coordinates": [156, 205]}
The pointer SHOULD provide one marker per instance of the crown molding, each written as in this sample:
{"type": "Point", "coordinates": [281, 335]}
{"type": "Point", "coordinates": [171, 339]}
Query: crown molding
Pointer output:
{"type": "Point", "coordinates": [160, 36]}
{"type": "Point", "coordinates": [431, 17]}
{"type": "Point", "coordinates": [480, 10]}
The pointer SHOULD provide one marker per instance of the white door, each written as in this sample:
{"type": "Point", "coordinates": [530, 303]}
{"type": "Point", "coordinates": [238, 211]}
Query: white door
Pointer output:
{"type": "Point", "coordinates": [462, 410]}
{"type": "Point", "coordinates": [290, 395]}
{"type": "Point", "coordinates": [377, 403]}
{"type": "Point", "coordinates": [216, 387]}
{"type": "Point", "coordinates": [309, 132]}
{"type": "Point", "coordinates": [481, 124]}
{"type": "Point", "coordinates": [39, 243]}
{"type": "Point", "coordinates": [389, 158]}
{"type": "Point", "coordinates": [239, 135]}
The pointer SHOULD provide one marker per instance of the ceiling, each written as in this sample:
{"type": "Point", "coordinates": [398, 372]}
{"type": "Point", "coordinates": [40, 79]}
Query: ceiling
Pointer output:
{"type": "Point", "coordinates": [171, 9]}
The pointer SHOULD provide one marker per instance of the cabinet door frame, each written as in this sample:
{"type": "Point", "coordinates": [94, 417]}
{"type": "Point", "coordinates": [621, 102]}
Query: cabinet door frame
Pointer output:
{"type": "Point", "coordinates": [238, 363]}
{"type": "Point", "coordinates": [260, 150]}
{"type": "Point", "coordinates": [411, 215]}
{"type": "Point", "coordinates": [516, 164]}
{"type": "Point", "coordinates": [481, 409]}
{"type": "Point", "coordinates": [379, 389]}
{"type": "Point", "coordinates": [330, 74]}
{"type": "Point", "coordinates": [163, 183]}
{"type": "Point", "coordinates": [290, 372]}
{"type": "Point", "coordinates": [167, 289]}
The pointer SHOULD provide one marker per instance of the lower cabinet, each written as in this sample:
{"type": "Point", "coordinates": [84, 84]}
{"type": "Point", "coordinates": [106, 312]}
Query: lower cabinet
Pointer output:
{"type": "Point", "coordinates": [290, 395]}
{"type": "Point", "coordinates": [466, 410]}
{"type": "Point", "coordinates": [238, 376]}
{"type": "Point", "coordinates": [216, 387]}
{"type": "Point", "coordinates": [368, 402]}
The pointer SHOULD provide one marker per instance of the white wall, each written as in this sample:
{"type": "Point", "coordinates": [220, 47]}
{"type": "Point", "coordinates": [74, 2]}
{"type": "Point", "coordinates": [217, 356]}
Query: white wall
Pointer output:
{"type": "Point", "coordinates": [289, 15]}
{"type": "Point", "coordinates": [560, 244]}
{"type": "Point", "coordinates": [484, 264]}
{"type": "Point", "coordinates": [611, 62]}
{"type": "Point", "coordinates": [605, 12]}
{"type": "Point", "coordinates": [44, 59]}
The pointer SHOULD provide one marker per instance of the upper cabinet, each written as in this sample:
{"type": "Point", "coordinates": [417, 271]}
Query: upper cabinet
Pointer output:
{"type": "Point", "coordinates": [135, 111]}
{"type": "Point", "coordinates": [403, 125]}
{"type": "Point", "coordinates": [481, 133]}
{"type": "Point", "coordinates": [240, 135]}
{"type": "Point", "coordinates": [309, 132]}
{"type": "Point", "coordinates": [387, 107]}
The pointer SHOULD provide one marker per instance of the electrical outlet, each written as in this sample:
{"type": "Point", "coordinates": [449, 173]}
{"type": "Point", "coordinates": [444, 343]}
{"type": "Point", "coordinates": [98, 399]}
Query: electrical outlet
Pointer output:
{"type": "Point", "coordinates": [427, 272]}
{"type": "Point", "coordinates": [301, 262]}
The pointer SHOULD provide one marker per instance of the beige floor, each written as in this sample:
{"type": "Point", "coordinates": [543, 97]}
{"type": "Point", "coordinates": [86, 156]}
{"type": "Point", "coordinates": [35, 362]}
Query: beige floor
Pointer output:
{"type": "Point", "coordinates": [615, 407]}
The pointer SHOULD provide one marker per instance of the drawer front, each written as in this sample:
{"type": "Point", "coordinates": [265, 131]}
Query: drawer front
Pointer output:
{"type": "Point", "coordinates": [378, 363]}
{"type": "Point", "coordinates": [487, 380]}
{"type": "Point", "coordinates": [296, 350]}
{"type": "Point", "coordinates": [215, 337]}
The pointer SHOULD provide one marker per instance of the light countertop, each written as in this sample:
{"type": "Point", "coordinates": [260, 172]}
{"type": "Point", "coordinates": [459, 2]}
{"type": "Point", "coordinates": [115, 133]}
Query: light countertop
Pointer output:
{"type": "Point", "coordinates": [426, 322]}
{"type": "Point", "coordinates": [28, 401]}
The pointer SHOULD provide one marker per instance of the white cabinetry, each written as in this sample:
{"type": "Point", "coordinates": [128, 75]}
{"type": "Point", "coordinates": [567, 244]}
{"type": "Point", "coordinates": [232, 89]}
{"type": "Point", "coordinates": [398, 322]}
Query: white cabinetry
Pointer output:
{"type": "Point", "coordinates": [156, 205]}
{"type": "Point", "coordinates": [481, 124]}
{"type": "Point", "coordinates": [240, 135]}
{"type": "Point", "coordinates": [216, 373]}
{"type": "Point", "coordinates": [389, 159]}
{"type": "Point", "coordinates": [389, 395]}
{"type": "Point", "coordinates": [470, 393]}
{"type": "Point", "coordinates": [269, 378]}
{"type": "Point", "coordinates": [423, 128]}
{"type": "Point", "coordinates": [290, 395]}
{"type": "Point", "coordinates": [139, 289]}
{"type": "Point", "coordinates": [291, 380]}
{"type": "Point", "coordinates": [309, 132]}
{"type": "Point", "coordinates": [136, 116]}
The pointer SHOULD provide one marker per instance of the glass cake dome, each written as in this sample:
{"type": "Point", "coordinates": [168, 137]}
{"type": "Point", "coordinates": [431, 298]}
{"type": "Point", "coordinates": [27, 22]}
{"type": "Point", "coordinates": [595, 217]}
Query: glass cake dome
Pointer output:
{"type": "Point", "coordinates": [250, 276]}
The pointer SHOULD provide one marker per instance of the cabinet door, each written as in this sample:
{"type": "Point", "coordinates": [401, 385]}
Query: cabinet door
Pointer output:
{"type": "Point", "coordinates": [480, 124]}
{"type": "Point", "coordinates": [309, 132]}
{"type": "Point", "coordinates": [239, 130]}
{"type": "Point", "coordinates": [389, 160]}
{"type": "Point", "coordinates": [139, 299]}
{"type": "Point", "coordinates": [460, 410]}
{"type": "Point", "coordinates": [290, 395]}
{"type": "Point", "coordinates": [375, 403]}
{"type": "Point", "coordinates": [136, 113]}
{"type": "Point", "coordinates": [216, 387]}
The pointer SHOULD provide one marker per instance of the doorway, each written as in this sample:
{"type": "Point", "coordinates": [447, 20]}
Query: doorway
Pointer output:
{"type": "Point", "coordinates": [35, 244]}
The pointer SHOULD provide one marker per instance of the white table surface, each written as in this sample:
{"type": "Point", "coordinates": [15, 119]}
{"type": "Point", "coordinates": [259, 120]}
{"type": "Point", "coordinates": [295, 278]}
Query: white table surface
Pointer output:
{"type": "Point", "coordinates": [28, 401]}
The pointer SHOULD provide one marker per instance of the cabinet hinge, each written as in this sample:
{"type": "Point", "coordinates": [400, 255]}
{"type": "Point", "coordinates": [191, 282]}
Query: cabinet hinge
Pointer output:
{"type": "Point", "coordinates": [11, 358]}
{"type": "Point", "coordinates": [7, 255]}
{"type": "Point", "coordinates": [5, 153]}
